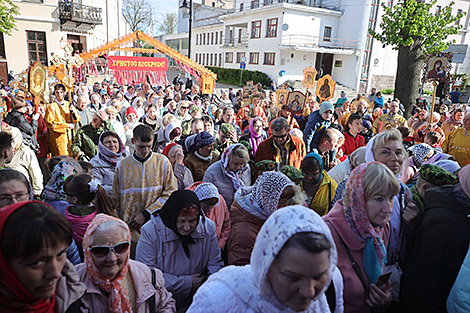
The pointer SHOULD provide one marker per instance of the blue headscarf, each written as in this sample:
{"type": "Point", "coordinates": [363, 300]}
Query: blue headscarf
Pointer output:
{"type": "Point", "coordinates": [320, 161]}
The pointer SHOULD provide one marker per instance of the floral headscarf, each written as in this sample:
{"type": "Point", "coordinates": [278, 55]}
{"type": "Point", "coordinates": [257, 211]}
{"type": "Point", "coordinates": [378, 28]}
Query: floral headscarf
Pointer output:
{"type": "Point", "coordinates": [452, 119]}
{"type": "Point", "coordinates": [54, 189]}
{"type": "Point", "coordinates": [235, 177]}
{"type": "Point", "coordinates": [420, 152]}
{"type": "Point", "coordinates": [108, 155]}
{"type": "Point", "coordinates": [118, 300]}
{"type": "Point", "coordinates": [354, 202]}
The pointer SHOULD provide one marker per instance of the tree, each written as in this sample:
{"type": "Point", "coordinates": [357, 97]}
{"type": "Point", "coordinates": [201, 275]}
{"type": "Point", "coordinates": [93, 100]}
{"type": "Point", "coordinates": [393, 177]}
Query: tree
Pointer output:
{"type": "Point", "coordinates": [168, 23]}
{"type": "Point", "coordinates": [139, 15]}
{"type": "Point", "coordinates": [415, 32]}
{"type": "Point", "coordinates": [8, 10]}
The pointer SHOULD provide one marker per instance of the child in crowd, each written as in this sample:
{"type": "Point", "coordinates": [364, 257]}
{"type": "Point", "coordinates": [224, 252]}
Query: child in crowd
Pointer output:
{"type": "Point", "coordinates": [317, 120]}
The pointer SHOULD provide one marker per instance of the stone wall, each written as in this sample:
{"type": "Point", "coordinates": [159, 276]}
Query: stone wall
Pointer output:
{"type": "Point", "coordinates": [380, 82]}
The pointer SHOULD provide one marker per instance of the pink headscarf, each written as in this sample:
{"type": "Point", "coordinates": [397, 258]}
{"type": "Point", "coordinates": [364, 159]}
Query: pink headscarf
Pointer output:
{"type": "Point", "coordinates": [464, 179]}
{"type": "Point", "coordinates": [118, 300]}
{"type": "Point", "coordinates": [255, 139]}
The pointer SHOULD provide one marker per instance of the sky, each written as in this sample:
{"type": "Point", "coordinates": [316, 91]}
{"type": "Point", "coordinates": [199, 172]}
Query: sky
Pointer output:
{"type": "Point", "coordinates": [163, 6]}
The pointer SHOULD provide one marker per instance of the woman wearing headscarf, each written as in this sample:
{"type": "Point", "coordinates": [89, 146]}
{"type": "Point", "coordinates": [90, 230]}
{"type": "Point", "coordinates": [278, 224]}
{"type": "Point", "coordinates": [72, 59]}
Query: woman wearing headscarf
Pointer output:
{"type": "Point", "coordinates": [54, 193]}
{"type": "Point", "coordinates": [170, 133]}
{"type": "Point", "coordinates": [341, 171]}
{"type": "Point", "coordinates": [454, 121]}
{"type": "Point", "coordinates": [231, 172]}
{"type": "Point", "coordinates": [250, 209]}
{"type": "Point", "coordinates": [360, 227]}
{"type": "Point", "coordinates": [182, 243]}
{"type": "Point", "coordinates": [419, 154]}
{"type": "Point", "coordinates": [255, 135]}
{"type": "Point", "coordinates": [202, 156]}
{"type": "Point", "coordinates": [114, 282]}
{"type": "Point", "coordinates": [110, 151]}
{"type": "Point", "coordinates": [35, 275]}
{"type": "Point", "coordinates": [292, 265]}
{"type": "Point", "coordinates": [174, 153]}
{"type": "Point", "coordinates": [317, 185]}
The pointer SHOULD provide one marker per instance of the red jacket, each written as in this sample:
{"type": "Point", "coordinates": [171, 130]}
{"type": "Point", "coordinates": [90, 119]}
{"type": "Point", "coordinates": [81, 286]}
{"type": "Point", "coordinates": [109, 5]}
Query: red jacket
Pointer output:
{"type": "Point", "coordinates": [352, 143]}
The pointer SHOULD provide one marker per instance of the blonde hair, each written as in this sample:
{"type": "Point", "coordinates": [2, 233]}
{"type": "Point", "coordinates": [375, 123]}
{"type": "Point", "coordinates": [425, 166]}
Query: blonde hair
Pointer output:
{"type": "Point", "coordinates": [111, 110]}
{"type": "Point", "coordinates": [379, 178]}
{"type": "Point", "coordinates": [391, 134]}
{"type": "Point", "coordinates": [298, 198]}
{"type": "Point", "coordinates": [240, 151]}
{"type": "Point", "coordinates": [167, 119]}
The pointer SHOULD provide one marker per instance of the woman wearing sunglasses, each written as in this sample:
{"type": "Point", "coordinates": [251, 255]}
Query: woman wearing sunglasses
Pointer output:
{"type": "Point", "coordinates": [35, 275]}
{"type": "Point", "coordinates": [114, 282]}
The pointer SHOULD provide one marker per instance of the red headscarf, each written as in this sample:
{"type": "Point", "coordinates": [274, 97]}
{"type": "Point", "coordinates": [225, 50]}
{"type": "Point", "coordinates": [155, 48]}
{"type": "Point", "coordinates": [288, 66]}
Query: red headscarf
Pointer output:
{"type": "Point", "coordinates": [168, 147]}
{"type": "Point", "coordinates": [13, 295]}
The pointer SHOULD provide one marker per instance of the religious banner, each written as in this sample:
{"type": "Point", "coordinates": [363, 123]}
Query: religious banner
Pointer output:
{"type": "Point", "coordinates": [37, 79]}
{"type": "Point", "coordinates": [436, 68]}
{"type": "Point", "coordinates": [281, 97]}
{"type": "Point", "coordinates": [325, 88]}
{"type": "Point", "coordinates": [137, 63]}
{"type": "Point", "coordinates": [249, 96]}
{"type": "Point", "coordinates": [207, 84]}
{"type": "Point", "coordinates": [309, 77]}
{"type": "Point", "coordinates": [296, 102]}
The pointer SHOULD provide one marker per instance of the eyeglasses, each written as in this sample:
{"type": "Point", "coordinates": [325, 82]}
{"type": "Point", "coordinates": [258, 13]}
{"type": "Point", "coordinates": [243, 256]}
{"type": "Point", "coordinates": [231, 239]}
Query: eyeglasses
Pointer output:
{"type": "Point", "coordinates": [18, 197]}
{"type": "Point", "coordinates": [185, 108]}
{"type": "Point", "coordinates": [102, 251]}
{"type": "Point", "coordinates": [280, 136]}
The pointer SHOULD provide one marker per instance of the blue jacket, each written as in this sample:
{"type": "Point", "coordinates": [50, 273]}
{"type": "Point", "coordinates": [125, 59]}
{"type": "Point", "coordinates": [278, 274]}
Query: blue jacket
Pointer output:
{"type": "Point", "coordinates": [315, 122]}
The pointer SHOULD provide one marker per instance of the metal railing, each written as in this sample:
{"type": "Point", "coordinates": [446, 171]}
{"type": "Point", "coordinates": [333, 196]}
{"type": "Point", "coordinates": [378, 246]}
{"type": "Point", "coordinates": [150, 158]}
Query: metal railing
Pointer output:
{"type": "Point", "coordinates": [236, 42]}
{"type": "Point", "coordinates": [317, 42]}
{"type": "Point", "coordinates": [325, 4]}
{"type": "Point", "coordinates": [75, 12]}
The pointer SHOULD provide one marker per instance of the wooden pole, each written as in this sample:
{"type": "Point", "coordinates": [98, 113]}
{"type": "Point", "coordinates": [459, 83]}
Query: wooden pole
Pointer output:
{"type": "Point", "coordinates": [433, 102]}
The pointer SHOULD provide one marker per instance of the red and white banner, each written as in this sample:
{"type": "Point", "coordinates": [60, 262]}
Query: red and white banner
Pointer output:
{"type": "Point", "coordinates": [137, 63]}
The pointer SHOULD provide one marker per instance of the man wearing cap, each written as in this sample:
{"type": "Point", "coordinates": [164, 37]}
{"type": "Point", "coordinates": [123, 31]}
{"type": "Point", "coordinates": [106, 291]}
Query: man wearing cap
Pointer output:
{"type": "Point", "coordinates": [442, 242]}
{"type": "Point", "coordinates": [203, 157]}
{"type": "Point", "coordinates": [85, 142]}
{"type": "Point", "coordinates": [227, 137]}
{"type": "Point", "coordinates": [266, 166]}
{"type": "Point", "coordinates": [60, 118]}
{"type": "Point", "coordinates": [320, 119]}
{"type": "Point", "coordinates": [389, 120]}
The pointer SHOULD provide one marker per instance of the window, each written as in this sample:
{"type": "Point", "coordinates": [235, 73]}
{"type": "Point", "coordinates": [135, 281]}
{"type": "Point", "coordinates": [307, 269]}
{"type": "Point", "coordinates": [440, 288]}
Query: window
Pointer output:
{"type": "Point", "coordinates": [240, 55]}
{"type": "Point", "coordinates": [459, 11]}
{"type": "Point", "coordinates": [241, 7]}
{"type": "Point", "coordinates": [240, 34]}
{"type": "Point", "coordinates": [254, 57]}
{"type": "Point", "coordinates": [255, 4]}
{"type": "Point", "coordinates": [37, 47]}
{"type": "Point", "coordinates": [211, 59]}
{"type": "Point", "coordinates": [203, 39]}
{"type": "Point", "coordinates": [269, 58]}
{"type": "Point", "coordinates": [220, 37]}
{"type": "Point", "coordinates": [228, 57]}
{"type": "Point", "coordinates": [212, 38]}
{"type": "Point", "coordinates": [268, 2]}
{"type": "Point", "coordinates": [230, 40]}
{"type": "Point", "coordinates": [256, 29]}
{"type": "Point", "coordinates": [271, 29]}
{"type": "Point", "coordinates": [216, 37]}
{"type": "Point", "coordinates": [220, 59]}
{"type": "Point", "coordinates": [327, 33]}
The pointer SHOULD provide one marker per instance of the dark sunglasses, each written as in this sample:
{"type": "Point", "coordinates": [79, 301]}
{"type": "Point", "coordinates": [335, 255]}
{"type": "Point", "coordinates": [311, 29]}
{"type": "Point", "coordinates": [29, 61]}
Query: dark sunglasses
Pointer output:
{"type": "Point", "coordinates": [102, 251]}
{"type": "Point", "coordinates": [281, 136]}
{"type": "Point", "coordinates": [185, 108]}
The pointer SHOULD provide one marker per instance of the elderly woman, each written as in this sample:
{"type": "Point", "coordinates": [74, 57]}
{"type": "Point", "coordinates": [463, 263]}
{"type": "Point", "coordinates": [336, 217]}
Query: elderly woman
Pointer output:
{"type": "Point", "coordinates": [292, 265]}
{"type": "Point", "coordinates": [35, 275]}
{"type": "Point", "coordinates": [317, 185]}
{"type": "Point", "coordinates": [231, 172]}
{"type": "Point", "coordinates": [251, 208]}
{"type": "Point", "coordinates": [360, 227]}
{"type": "Point", "coordinates": [182, 243]}
{"type": "Point", "coordinates": [117, 125]}
{"type": "Point", "coordinates": [454, 121]}
{"type": "Point", "coordinates": [174, 153]}
{"type": "Point", "coordinates": [204, 155]}
{"type": "Point", "coordinates": [114, 282]}
{"type": "Point", "coordinates": [110, 151]}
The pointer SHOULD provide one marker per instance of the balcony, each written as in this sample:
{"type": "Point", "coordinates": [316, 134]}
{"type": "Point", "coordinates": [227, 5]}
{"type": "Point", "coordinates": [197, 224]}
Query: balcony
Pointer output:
{"type": "Point", "coordinates": [235, 42]}
{"type": "Point", "coordinates": [324, 4]}
{"type": "Point", "coordinates": [307, 41]}
{"type": "Point", "coordinates": [77, 14]}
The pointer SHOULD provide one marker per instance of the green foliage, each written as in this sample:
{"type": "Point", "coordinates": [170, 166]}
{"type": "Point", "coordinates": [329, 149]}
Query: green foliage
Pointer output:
{"type": "Point", "coordinates": [232, 76]}
{"type": "Point", "coordinates": [428, 92]}
{"type": "Point", "coordinates": [8, 10]}
{"type": "Point", "coordinates": [168, 23]}
{"type": "Point", "coordinates": [411, 20]}
{"type": "Point", "coordinates": [387, 91]}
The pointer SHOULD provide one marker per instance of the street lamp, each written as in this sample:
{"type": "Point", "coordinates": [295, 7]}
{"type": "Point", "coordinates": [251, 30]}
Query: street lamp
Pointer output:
{"type": "Point", "coordinates": [185, 9]}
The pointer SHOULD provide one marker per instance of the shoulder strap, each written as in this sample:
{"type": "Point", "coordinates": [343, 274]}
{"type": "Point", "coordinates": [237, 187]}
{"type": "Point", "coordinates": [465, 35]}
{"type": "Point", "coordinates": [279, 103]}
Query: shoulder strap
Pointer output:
{"type": "Point", "coordinates": [354, 264]}
{"type": "Point", "coordinates": [331, 296]}
{"type": "Point", "coordinates": [152, 300]}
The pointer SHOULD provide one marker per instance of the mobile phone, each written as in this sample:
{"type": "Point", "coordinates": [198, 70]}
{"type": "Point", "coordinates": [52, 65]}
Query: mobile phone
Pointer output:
{"type": "Point", "coordinates": [383, 279]}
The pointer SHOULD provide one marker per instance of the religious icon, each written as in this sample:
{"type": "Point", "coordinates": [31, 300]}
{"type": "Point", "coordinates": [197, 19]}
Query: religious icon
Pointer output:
{"type": "Point", "coordinates": [37, 79]}
{"type": "Point", "coordinates": [325, 88]}
{"type": "Point", "coordinates": [437, 68]}
{"type": "Point", "coordinates": [249, 84]}
{"type": "Point", "coordinates": [296, 102]}
{"type": "Point", "coordinates": [281, 97]}
{"type": "Point", "coordinates": [309, 77]}
{"type": "Point", "coordinates": [206, 84]}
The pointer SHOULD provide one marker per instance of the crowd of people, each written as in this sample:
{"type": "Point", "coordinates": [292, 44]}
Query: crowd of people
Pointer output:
{"type": "Point", "coordinates": [144, 198]}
